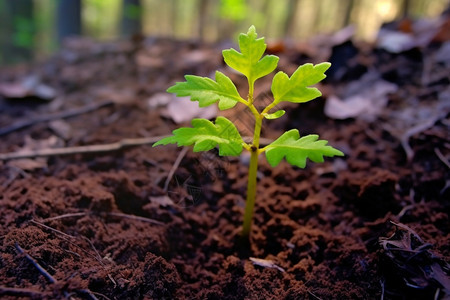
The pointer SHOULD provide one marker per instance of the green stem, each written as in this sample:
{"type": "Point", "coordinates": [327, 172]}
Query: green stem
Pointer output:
{"type": "Point", "coordinates": [251, 193]}
{"type": "Point", "coordinates": [268, 108]}
{"type": "Point", "coordinates": [250, 92]}
{"type": "Point", "coordinates": [252, 174]}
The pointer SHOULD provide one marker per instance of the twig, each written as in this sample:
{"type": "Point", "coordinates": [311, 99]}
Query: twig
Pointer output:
{"type": "Point", "coordinates": [52, 229]}
{"type": "Point", "coordinates": [47, 275]}
{"type": "Point", "coordinates": [312, 294]}
{"type": "Point", "coordinates": [36, 264]}
{"type": "Point", "coordinates": [404, 139]}
{"type": "Point", "coordinates": [69, 239]}
{"type": "Point", "coordinates": [92, 294]}
{"type": "Point", "coordinates": [80, 214]}
{"type": "Point", "coordinates": [436, 294]}
{"type": "Point", "coordinates": [92, 148]}
{"type": "Point", "coordinates": [60, 115]}
{"type": "Point", "coordinates": [13, 174]}
{"type": "Point", "coordinates": [81, 149]}
{"type": "Point", "coordinates": [442, 157]}
{"type": "Point", "coordinates": [133, 217]}
{"type": "Point", "coordinates": [19, 292]}
{"type": "Point", "coordinates": [405, 210]}
{"type": "Point", "coordinates": [175, 166]}
{"type": "Point", "coordinates": [101, 295]}
{"type": "Point", "coordinates": [412, 131]}
{"type": "Point", "coordinates": [96, 256]}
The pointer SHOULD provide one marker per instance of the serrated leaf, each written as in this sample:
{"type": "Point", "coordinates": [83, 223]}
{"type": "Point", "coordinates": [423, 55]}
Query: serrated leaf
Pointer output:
{"type": "Point", "coordinates": [275, 115]}
{"type": "Point", "coordinates": [297, 150]}
{"type": "Point", "coordinates": [296, 88]}
{"type": "Point", "coordinates": [249, 62]}
{"type": "Point", "coordinates": [207, 91]}
{"type": "Point", "coordinates": [205, 135]}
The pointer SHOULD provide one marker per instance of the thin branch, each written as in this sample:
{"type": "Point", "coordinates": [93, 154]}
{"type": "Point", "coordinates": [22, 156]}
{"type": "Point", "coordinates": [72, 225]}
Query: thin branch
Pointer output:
{"type": "Point", "coordinates": [19, 292]}
{"type": "Point", "coordinates": [80, 214]}
{"type": "Point", "coordinates": [44, 272]}
{"type": "Point", "coordinates": [52, 229]}
{"type": "Point", "coordinates": [442, 157]}
{"type": "Point", "coordinates": [92, 294]}
{"type": "Point", "coordinates": [316, 297]}
{"type": "Point", "coordinates": [81, 149]}
{"type": "Point", "coordinates": [60, 115]}
{"type": "Point", "coordinates": [419, 128]}
{"type": "Point", "coordinates": [133, 217]}
{"type": "Point", "coordinates": [175, 166]}
{"type": "Point", "coordinates": [125, 143]}
{"type": "Point", "coordinates": [36, 264]}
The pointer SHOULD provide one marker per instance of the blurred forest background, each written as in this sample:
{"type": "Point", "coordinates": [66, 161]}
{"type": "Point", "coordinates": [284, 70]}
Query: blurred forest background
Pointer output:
{"type": "Point", "coordinates": [34, 29]}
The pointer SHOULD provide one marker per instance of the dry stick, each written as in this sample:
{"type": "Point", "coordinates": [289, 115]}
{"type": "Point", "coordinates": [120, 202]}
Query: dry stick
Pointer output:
{"type": "Point", "coordinates": [68, 237]}
{"type": "Point", "coordinates": [44, 272]}
{"type": "Point", "coordinates": [121, 215]}
{"type": "Point", "coordinates": [52, 229]}
{"type": "Point", "coordinates": [174, 168]}
{"type": "Point", "coordinates": [92, 148]}
{"type": "Point", "coordinates": [312, 294]}
{"type": "Point", "coordinates": [382, 289]}
{"type": "Point", "coordinates": [80, 214]}
{"type": "Point", "coordinates": [60, 115]}
{"type": "Point", "coordinates": [36, 264]}
{"type": "Point", "coordinates": [442, 157]}
{"type": "Point", "coordinates": [404, 139]}
{"type": "Point", "coordinates": [81, 149]}
{"type": "Point", "coordinates": [19, 292]}
{"type": "Point", "coordinates": [92, 294]}
{"type": "Point", "coordinates": [133, 217]}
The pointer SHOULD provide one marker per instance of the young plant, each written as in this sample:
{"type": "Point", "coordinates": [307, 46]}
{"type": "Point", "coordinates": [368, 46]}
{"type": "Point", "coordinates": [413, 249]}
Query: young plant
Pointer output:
{"type": "Point", "coordinates": [205, 135]}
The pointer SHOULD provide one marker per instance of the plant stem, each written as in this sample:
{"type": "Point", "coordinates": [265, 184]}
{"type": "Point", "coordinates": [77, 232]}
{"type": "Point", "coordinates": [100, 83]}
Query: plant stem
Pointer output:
{"type": "Point", "coordinates": [252, 174]}
{"type": "Point", "coordinates": [250, 92]}
{"type": "Point", "coordinates": [251, 193]}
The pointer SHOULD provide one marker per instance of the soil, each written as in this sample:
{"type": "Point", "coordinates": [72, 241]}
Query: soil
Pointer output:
{"type": "Point", "coordinates": [371, 225]}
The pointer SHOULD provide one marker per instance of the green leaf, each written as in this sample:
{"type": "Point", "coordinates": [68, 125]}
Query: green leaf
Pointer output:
{"type": "Point", "coordinates": [249, 62]}
{"type": "Point", "coordinates": [295, 89]}
{"type": "Point", "coordinates": [205, 135]}
{"type": "Point", "coordinates": [297, 150]}
{"type": "Point", "coordinates": [207, 91]}
{"type": "Point", "coordinates": [275, 115]}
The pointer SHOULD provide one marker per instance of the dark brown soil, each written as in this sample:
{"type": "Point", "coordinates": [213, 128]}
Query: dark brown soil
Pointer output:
{"type": "Point", "coordinates": [99, 227]}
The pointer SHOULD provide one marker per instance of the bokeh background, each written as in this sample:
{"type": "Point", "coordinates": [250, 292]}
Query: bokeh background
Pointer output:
{"type": "Point", "coordinates": [34, 29]}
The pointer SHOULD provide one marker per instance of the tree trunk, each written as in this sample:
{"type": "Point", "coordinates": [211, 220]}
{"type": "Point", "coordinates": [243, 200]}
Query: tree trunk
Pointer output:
{"type": "Point", "coordinates": [131, 17]}
{"type": "Point", "coordinates": [202, 17]}
{"type": "Point", "coordinates": [289, 25]}
{"type": "Point", "coordinates": [69, 19]}
{"type": "Point", "coordinates": [405, 8]}
{"type": "Point", "coordinates": [17, 31]}
{"type": "Point", "coordinates": [348, 12]}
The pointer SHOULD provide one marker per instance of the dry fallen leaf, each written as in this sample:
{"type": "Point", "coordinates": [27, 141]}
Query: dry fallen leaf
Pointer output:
{"type": "Point", "coordinates": [61, 128]}
{"type": "Point", "coordinates": [415, 263]}
{"type": "Point", "coordinates": [162, 200]}
{"type": "Point", "coordinates": [364, 99]}
{"type": "Point", "coordinates": [158, 100]}
{"type": "Point", "coordinates": [30, 86]}
{"type": "Point", "coordinates": [265, 263]}
{"type": "Point", "coordinates": [182, 109]}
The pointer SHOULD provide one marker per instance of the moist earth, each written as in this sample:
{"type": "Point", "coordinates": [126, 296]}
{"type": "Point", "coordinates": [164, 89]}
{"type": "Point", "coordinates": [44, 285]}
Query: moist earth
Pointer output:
{"type": "Point", "coordinates": [161, 223]}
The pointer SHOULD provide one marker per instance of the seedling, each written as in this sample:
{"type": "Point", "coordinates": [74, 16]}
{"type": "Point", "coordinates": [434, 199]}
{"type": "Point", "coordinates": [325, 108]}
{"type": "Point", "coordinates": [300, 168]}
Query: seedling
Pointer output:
{"type": "Point", "coordinates": [205, 135]}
